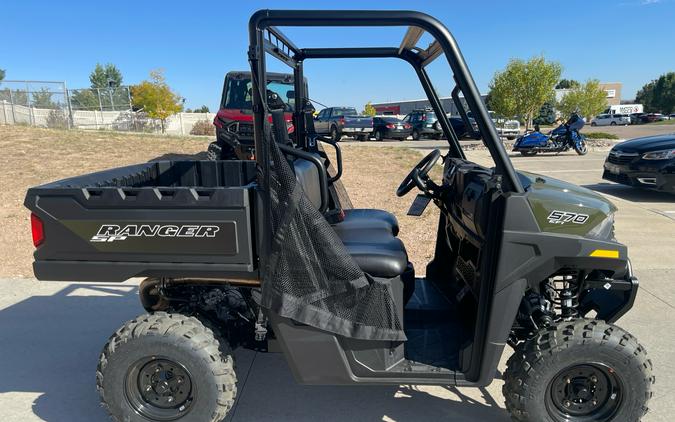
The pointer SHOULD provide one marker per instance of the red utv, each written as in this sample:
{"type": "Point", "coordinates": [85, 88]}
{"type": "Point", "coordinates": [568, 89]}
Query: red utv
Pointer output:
{"type": "Point", "coordinates": [234, 120]}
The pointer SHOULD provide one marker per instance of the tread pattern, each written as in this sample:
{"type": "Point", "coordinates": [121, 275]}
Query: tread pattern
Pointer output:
{"type": "Point", "coordinates": [523, 366]}
{"type": "Point", "coordinates": [182, 328]}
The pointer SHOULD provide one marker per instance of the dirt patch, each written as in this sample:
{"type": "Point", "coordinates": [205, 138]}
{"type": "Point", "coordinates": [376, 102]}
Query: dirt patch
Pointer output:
{"type": "Point", "coordinates": [36, 156]}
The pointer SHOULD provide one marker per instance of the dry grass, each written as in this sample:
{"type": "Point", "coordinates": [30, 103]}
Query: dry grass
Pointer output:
{"type": "Point", "coordinates": [36, 156]}
{"type": "Point", "coordinates": [371, 176]}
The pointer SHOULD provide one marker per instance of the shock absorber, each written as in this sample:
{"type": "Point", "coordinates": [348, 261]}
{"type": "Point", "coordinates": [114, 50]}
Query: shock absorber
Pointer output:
{"type": "Point", "coordinates": [566, 288]}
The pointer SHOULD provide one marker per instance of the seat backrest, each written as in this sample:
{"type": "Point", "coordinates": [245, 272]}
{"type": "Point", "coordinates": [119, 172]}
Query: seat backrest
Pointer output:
{"type": "Point", "coordinates": [307, 175]}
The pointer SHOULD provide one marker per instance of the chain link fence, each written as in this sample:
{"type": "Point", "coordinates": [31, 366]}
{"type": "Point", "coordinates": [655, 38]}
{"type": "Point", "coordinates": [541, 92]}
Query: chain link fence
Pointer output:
{"type": "Point", "coordinates": [51, 104]}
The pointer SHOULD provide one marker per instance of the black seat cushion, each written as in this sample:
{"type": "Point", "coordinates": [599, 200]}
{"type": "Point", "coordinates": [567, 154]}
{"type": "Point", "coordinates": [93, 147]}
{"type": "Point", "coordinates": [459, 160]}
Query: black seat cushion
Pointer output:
{"type": "Point", "coordinates": [377, 252]}
{"type": "Point", "coordinates": [362, 218]}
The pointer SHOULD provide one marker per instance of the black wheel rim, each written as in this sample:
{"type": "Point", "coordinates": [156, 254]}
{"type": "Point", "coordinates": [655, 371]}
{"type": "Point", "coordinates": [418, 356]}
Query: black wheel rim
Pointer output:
{"type": "Point", "coordinates": [159, 389]}
{"type": "Point", "coordinates": [580, 393]}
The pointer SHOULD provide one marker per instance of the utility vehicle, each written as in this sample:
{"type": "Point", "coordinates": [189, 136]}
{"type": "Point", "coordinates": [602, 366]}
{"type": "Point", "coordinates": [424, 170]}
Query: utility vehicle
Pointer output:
{"type": "Point", "coordinates": [261, 254]}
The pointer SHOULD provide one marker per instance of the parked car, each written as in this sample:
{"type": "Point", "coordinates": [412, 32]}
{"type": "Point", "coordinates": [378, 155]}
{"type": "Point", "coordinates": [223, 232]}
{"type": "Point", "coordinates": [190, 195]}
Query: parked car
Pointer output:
{"type": "Point", "coordinates": [671, 116]}
{"type": "Point", "coordinates": [610, 120]}
{"type": "Point", "coordinates": [390, 127]}
{"type": "Point", "coordinates": [509, 129]}
{"type": "Point", "coordinates": [459, 127]}
{"type": "Point", "coordinates": [422, 123]}
{"type": "Point", "coordinates": [651, 117]}
{"type": "Point", "coordinates": [643, 162]}
{"type": "Point", "coordinates": [636, 118]}
{"type": "Point", "coordinates": [339, 121]}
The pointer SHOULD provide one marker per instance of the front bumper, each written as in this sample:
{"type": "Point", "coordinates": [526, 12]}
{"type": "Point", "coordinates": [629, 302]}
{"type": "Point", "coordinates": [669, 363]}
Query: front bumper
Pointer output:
{"type": "Point", "coordinates": [651, 174]}
{"type": "Point", "coordinates": [397, 133]}
{"type": "Point", "coordinates": [609, 298]}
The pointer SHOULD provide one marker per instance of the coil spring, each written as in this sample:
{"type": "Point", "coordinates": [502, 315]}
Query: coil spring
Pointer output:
{"type": "Point", "coordinates": [564, 293]}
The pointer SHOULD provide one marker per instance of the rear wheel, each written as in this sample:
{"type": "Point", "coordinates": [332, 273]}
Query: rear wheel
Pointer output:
{"type": "Point", "coordinates": [378, 135]}
{"type": "Point", "coordinates": [166, 367]}
{"type": "Point", "coordinates": [578, 371]}
{"type": "Point", "coordinates": [612, 124]}
{"type": "Point", "coordinates": [528, 153]}
{"type": "Point", "coordinates": [335, 136]}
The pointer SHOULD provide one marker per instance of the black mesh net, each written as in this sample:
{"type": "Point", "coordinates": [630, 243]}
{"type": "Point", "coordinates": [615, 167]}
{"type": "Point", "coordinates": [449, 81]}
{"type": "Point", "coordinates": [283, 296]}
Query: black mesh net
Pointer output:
{"type": "Point", "coordinates": [312, 279]}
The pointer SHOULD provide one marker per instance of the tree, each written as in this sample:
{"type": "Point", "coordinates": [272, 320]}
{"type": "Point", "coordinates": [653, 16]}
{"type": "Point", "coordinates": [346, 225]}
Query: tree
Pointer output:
{"type": "Point", "coordinates": [588, 99]}
{"type": "Point", "coordinates": [369, 110]}
{"type": "Point", "coordinates": [658, 95]}
{"type": "Point", "coordinates": [2, 74]}
{"type": "Point", "coordinates": [43, 99]}
{"type": "Point", "coordinates": [156, 98]}
{"type": "Point", "coordinates": [108, 76]}
{"type": "Point", "coordinates": [523, 87]}
{"type": "Point", "coordinates": [567, 84]}
{"type": "Point", "coordinates": [546, 114]}
{"type": "Point", "coordinates": [105, 92]}
{"type": "Point", "coordinates": [202, 109]}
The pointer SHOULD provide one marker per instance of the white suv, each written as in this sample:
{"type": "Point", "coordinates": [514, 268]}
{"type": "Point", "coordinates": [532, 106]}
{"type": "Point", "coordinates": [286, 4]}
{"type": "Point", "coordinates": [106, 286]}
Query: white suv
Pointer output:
{"type": "Point", "coordinates": [610, 120]}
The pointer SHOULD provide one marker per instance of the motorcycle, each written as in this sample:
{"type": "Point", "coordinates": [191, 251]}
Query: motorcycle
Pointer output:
{"type": "Point", "coordinates": [560, 139]}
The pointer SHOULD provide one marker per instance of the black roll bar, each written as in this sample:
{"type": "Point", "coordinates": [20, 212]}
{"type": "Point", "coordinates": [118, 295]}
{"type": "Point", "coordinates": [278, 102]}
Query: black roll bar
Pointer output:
{"type": "Point", "coordinates": [262, 20]}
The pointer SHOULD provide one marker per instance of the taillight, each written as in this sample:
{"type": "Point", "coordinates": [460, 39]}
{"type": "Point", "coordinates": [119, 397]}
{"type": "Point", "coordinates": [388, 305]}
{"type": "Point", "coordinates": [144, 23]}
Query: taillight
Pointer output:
{"type": "Point", "coordinates": [391, 126]}
{"type": "Point", "coordinates": [37, 229]}
{"type": "Point", "coordinates": [341, 120]}
{"type": "Point", "coordinates": [407, 126]}
{"type": "Point", "coordinates": [424, 117]}
{"type": "Point", "coordinates": [289, 127]}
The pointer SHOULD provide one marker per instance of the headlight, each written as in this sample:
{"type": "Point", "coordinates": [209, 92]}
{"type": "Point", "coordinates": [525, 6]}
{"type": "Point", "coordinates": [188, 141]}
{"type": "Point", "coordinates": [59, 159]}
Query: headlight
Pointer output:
{"type": "Point", "coordinates": [604, 230]}
{"type": "Point", "coordinates": [665, 154]}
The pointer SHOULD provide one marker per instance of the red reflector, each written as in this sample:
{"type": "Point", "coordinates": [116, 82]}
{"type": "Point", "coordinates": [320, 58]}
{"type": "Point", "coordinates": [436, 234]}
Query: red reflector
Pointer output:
{"type": "Point", "coordinates": [37, 229]}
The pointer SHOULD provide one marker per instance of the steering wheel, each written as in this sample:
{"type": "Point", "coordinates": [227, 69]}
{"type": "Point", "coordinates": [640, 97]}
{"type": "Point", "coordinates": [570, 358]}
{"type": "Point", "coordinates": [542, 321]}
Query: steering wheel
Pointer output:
{"type": "Point", "coordinates": [418, 173]}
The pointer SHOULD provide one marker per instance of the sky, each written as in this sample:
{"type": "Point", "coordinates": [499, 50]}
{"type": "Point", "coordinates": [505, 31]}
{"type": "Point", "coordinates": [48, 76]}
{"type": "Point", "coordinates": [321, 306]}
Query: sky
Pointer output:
{"type": "Point", "coordinates": [197, 43]}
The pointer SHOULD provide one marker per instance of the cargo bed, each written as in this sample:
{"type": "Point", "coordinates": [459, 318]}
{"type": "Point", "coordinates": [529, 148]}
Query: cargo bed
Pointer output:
{"type": "Point", "coordinates": [157, 219]}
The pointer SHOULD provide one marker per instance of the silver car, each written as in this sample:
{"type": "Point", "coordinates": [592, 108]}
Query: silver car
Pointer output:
{"type": "Point", "coordinates": [611, 120]}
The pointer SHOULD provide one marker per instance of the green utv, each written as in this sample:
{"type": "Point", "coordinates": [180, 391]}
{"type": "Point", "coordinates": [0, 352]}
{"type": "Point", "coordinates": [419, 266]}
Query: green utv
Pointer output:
{"type": "Point", "coordinates": [265, 255]}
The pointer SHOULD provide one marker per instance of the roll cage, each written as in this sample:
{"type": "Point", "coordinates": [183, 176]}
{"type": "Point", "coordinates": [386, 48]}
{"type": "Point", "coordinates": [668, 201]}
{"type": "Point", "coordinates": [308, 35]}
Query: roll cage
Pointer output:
{"type": "Point", "coordinates": [265, 37]}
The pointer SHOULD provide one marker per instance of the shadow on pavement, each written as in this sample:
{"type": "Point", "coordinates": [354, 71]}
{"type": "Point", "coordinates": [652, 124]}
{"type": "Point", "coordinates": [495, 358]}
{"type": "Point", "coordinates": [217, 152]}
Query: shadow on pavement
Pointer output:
{"type": "Point", "coordinates": [51, 343]}
{"type": "Point", "coordinates": [630, 193]}
{"type": "Point", "coordinates": [270, 394]}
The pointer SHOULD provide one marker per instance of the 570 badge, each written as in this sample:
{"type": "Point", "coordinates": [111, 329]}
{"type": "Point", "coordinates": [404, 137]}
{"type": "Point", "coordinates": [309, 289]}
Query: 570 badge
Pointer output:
{"type": "Point", "coordinates": [562, 217]}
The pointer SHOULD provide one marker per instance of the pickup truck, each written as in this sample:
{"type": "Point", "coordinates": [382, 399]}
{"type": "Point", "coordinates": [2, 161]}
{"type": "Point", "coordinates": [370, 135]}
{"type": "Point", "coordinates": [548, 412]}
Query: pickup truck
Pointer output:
{"type": "Point", "coordinates": [509, 129]}
{"type": "Point", "coordinates": [339, 121]}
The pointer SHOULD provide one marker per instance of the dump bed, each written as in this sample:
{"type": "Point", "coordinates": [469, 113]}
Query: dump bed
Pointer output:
{"type": "Point", "coordinates": [156, 219]}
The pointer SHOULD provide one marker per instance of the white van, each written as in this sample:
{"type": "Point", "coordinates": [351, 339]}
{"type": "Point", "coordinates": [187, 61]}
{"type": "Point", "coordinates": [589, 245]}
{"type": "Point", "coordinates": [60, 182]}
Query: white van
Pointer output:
{"type": "Point", "coordinates": [610, 120]}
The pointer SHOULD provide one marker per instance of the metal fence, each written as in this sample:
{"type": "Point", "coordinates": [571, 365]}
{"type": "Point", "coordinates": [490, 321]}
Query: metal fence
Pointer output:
{"type": "Point", "coordinates": [51, 104]}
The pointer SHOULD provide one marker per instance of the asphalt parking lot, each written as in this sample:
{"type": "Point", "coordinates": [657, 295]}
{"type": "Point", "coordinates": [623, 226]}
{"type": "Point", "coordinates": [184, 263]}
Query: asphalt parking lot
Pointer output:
{"type": "Point", "coordinates": [51, 333]}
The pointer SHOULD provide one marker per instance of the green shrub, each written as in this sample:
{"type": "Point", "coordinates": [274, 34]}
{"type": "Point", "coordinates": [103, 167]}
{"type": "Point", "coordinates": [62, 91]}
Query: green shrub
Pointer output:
{"type": "Point", "coordinates": [203, 127]}
{"type": "Point", "coordinates": [600, 135]}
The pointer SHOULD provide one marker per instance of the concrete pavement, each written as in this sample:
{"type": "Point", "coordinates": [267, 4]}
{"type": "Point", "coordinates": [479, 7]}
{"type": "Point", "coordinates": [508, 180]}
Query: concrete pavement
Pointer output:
{"type": "Point", "coordinates": [51, 334]}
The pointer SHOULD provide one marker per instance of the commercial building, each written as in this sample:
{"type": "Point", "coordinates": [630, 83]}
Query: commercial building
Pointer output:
{"type": "Point", "coordinates": [406, 106]}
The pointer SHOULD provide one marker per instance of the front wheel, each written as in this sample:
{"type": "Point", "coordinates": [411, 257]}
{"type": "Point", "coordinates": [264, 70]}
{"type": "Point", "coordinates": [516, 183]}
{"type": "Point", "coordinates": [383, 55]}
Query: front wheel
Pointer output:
{"type": "Point", "coordinates": [528, 153]}
{"type": "Point", "coordinates": [166, 367]}
{"type": "Point", "coordinates": [578, 371]}
{"type": "Point", "coordinates": [580, 147]}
